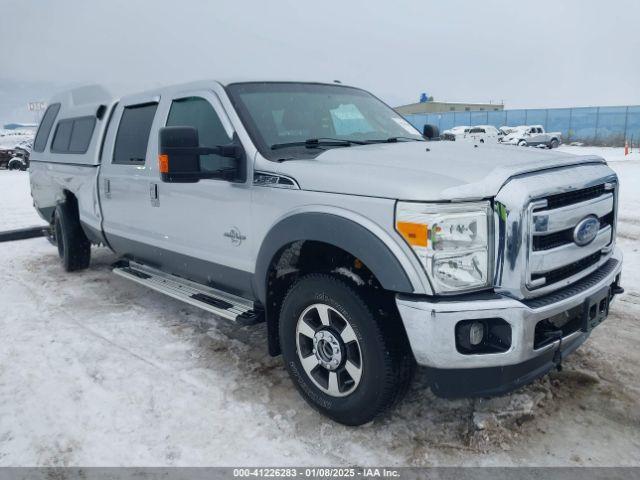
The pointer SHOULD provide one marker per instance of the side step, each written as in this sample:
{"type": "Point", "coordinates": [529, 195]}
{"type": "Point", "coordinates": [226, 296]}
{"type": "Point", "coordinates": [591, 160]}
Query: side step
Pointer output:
{"type": "Point", "coordinates": [220, 303]}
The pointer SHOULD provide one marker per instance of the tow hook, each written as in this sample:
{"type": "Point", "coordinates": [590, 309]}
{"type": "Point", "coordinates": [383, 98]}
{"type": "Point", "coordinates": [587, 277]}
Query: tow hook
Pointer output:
{"type": "Point", "coordinates": [557, 355]}
{"type": "Point", "coordinates": [616, 290]}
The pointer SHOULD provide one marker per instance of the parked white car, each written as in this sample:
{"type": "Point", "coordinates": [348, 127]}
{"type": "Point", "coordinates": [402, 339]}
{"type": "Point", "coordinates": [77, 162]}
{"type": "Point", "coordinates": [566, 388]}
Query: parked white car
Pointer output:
{"type": "Point", "coordinates": [455, 132]}
{"type": "Point", "coordinates": [482, 134]}
{"type": "Point", "coordinates": [532, 135]}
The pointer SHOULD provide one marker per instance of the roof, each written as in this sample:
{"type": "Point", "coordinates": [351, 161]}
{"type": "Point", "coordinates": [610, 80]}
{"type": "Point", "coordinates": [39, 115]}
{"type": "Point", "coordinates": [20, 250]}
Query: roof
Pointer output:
{"type": "Point", "coordinates": [81, 100]}
{"type": "Point", "coordinates": [231, 80]}
{"type": "Point", "coordinates": [78, 100]}
{"type": "Point", "coordinates": [201, 84]}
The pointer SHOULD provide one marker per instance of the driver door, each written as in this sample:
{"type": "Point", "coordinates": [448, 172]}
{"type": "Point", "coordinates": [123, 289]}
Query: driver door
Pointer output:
{"type": "Point", "coordinates": [203, 229]}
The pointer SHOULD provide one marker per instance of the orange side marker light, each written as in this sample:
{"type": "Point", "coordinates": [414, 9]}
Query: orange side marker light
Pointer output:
{"type": "Point", "coordinates": [415, 234]}
{"type": "Point", "coordinates": [163, 163]}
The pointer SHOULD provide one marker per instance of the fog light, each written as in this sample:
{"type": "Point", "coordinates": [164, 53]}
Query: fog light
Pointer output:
{"type": "Point", "coordinates": [476, 333]}
{"type": "Point", "coordinates": [485, 335]}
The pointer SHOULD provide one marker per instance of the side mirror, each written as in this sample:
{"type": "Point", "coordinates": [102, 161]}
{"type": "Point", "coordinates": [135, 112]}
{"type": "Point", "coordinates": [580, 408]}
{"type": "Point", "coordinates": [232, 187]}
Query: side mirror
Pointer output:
{"type": "Point", "coordinates": [179, 157]}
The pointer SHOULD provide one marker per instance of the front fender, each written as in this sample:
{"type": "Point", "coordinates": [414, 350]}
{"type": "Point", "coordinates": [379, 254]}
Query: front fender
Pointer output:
{"type": "Point", "coordinates": [340, 232]}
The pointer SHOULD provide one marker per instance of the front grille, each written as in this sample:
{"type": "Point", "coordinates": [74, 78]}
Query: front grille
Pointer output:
{"type": "Point", "coordinates": [576, 196]}
{"type": "Point", "coordinates": [607, 220]}
{"type": "Point", "coordinates": [558, 249]}
{"type": "Point", "coordinates": [563, 237]}
{"type": "Point", "coordinates": [567, 271]}
{"type": "Point", "coordinates": [553, 240]}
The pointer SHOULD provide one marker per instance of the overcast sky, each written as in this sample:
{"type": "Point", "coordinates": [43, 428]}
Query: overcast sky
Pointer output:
{"type": "Point", "coordinates": [530, 54]}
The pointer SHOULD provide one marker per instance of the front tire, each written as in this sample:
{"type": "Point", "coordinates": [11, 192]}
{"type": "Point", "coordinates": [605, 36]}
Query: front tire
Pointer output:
{"type": "Point", "coordinates": [74, 247]}
{"type": "Point", "coordinates": [346, 359]}
{"type": "Point", "coordinates": [522, 143]}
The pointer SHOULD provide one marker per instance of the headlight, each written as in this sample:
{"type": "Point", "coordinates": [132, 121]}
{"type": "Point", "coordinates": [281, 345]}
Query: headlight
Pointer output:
{"type": "Point", "coordinates": [451, 240]}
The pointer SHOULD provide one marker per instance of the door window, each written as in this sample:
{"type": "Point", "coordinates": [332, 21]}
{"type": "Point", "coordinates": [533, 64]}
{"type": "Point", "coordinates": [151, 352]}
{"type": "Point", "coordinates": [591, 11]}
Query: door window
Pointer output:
{"type": "Point", "coordinates": [133, 134]}
{"type": "Point", "coordinates": [199, 113]}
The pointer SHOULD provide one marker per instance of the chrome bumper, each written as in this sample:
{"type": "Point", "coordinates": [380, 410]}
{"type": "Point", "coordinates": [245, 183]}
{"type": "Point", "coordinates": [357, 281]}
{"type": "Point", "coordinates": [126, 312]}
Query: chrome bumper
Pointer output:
{"type": "Point", "coordinates": [430, 326]}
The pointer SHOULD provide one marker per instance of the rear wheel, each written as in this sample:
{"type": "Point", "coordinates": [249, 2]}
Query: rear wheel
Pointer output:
{"type": "Point", "coordinates": [347, 361]}
{"type": "Point", "coordinates": [554, 143]}
{"type": "Point", "coordinates": [16, 163]}
{"type": "Point", "coordinates": [74, 247]}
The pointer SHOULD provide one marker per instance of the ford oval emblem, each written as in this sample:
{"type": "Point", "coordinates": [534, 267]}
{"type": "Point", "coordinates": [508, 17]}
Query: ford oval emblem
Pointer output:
{"type": "Point", "coordinates": [586, 230]}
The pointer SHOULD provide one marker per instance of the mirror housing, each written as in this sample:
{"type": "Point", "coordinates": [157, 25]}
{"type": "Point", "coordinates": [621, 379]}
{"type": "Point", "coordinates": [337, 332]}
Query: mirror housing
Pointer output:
{"type": "Point", "coordinates": [179, 157]}
{"type": "Point", "coordinates": [431, 132]}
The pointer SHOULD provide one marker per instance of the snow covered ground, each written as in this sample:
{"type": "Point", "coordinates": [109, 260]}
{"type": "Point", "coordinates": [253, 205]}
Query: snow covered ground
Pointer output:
{"type": "Point", "coordinates": [612, 154]}
{"type": "Point", "coordinates": [97, 371]}
{"type": "Point", "coordinates": [10, 139]}
{"type": "Point", "coordinates": [16, 204]}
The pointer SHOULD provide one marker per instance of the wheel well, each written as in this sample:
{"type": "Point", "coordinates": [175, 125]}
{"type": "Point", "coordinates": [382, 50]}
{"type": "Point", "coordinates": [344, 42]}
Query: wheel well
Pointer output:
{"type": "Point", "coordinates": [302, 257]}
{"type": "Point", "coordinates": [69, 198]}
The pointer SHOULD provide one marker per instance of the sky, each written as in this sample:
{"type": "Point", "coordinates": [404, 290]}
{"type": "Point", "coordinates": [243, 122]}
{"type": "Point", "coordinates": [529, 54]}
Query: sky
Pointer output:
{"type": "Point", "coordinates": [531, 54]}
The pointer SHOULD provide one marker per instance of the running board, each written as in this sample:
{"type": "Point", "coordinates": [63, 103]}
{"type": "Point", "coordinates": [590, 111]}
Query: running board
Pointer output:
{"type": "Point", "coordinates": [220, 303]}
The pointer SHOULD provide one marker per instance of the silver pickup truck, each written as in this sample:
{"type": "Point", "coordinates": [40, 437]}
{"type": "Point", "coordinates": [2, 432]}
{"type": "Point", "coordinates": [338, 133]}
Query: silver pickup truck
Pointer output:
{"type": "Point", "coordinates": [366, 248]}
{"type": "Point", "coordinates": [533, 135]}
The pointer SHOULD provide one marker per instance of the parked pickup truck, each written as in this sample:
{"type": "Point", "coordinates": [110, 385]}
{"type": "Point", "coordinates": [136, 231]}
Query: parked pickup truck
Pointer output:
{"type": "Point", "coordinates": [532, 135]}
{"type": "Point", "coordinates": [319, 210]}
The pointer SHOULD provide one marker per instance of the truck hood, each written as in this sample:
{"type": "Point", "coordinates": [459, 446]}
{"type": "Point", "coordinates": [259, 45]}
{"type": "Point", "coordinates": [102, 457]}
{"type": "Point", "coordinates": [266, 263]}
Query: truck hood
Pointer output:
{"type": "Point", "coordinates": [428, 171]}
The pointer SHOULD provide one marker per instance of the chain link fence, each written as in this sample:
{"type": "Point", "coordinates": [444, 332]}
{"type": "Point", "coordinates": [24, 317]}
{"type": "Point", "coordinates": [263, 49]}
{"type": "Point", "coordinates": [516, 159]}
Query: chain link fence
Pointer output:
{"type": "Point", "coordinates": [605, 126]}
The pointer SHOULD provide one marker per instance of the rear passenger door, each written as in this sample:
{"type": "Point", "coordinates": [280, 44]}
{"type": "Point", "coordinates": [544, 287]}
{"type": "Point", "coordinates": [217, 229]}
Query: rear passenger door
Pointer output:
{"type": "Point", "coordinates": [124, 178]}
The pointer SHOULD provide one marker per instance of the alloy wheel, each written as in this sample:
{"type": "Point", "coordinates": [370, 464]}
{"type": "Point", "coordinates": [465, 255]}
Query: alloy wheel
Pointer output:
{"type": "Point", "coordinates": [328, 350]}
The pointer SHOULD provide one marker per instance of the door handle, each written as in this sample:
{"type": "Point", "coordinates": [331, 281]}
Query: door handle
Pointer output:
{"type": "Point", "coordinates": [154, 194]}
{"type": "Point", "coordinates": [107, 188]}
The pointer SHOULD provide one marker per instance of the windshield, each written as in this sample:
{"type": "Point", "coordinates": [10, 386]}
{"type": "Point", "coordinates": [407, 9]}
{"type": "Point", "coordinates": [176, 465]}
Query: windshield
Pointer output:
{"type": "Point", "coordinates": [304, 119]}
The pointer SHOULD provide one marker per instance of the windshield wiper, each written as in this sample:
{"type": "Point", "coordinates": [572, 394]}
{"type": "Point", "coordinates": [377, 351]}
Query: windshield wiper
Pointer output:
{"type": "Point", "coordinates": [318, 142]}
{"type": "Point", "coordinates": [394, 140]}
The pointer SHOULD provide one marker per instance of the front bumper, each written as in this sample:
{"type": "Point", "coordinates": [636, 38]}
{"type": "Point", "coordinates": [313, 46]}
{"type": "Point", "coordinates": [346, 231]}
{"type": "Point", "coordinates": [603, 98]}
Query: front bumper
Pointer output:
{"type": "Point", "coordinates": [430, 326]}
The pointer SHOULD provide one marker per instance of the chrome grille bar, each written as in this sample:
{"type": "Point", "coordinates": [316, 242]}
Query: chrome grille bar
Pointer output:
{"type": "Point", "coordinates": [549, 221]}
{"type": "Point", "coordinates": [547, 260]}
{"type": "Point", "coordinates": [536, 214]}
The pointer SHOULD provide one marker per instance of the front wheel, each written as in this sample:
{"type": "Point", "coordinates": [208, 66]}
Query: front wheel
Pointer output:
{"type": "Point", "coordinates": [348, 360]}
{"type": "Point", "coordinates": [522, 143]}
